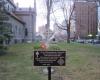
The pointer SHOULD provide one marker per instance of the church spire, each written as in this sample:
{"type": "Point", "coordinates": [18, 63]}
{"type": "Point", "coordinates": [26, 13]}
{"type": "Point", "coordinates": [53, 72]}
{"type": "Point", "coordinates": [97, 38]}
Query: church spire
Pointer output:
{"type": "Point", "coordinates": [35, 5]}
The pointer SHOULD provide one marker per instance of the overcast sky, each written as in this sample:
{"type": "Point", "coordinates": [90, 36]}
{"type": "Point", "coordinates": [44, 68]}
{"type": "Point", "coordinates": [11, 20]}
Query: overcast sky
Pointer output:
{"type": "Point", "coordinates": [25, 3]}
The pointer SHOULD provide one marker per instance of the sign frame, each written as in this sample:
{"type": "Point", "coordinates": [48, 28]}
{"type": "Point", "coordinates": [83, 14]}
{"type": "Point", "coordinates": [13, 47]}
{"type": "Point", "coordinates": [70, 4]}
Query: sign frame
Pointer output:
{"type": "Point", "coordinates": [49, 58]}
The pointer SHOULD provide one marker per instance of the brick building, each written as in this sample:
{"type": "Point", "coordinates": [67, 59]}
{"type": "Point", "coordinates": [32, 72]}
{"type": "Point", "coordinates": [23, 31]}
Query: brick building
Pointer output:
{"type": "Point", "coordinates": [85, 19]}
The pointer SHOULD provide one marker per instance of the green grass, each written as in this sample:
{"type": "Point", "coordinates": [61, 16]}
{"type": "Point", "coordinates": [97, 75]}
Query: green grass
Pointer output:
{"type": "Point", "coordinates": [82, 63]}
{"type": "Point", "coordinates": [17, 64]}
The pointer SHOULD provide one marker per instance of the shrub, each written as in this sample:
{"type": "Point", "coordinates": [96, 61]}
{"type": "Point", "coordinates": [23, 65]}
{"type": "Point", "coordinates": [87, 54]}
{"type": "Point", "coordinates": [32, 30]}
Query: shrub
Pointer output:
{"type": "Point", "coordinates": [3, 50]}
{"type": "Point", "coordinates": [37, 46]}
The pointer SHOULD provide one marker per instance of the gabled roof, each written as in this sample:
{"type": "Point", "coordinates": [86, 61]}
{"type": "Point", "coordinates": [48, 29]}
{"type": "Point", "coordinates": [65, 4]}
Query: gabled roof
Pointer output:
{"type": "Point", "coordinates": [11, 2]}
{"type": "Point", "coordinates": [25, 10]}
{"type": "Point", "coordinates": [15, 17]}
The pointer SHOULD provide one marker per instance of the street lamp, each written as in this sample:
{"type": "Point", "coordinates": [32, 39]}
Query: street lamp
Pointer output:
{"type": "Point", "coordinates": [90, 35]}
{"type": "Point", "coordinates": [97, 36]}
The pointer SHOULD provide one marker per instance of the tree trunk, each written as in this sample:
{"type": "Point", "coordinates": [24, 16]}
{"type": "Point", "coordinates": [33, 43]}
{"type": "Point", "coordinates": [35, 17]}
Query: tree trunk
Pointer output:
{"type": "Point", "coordinates": [68, 32]}
{"type": "Point", "coordinates": [48, 15]}
{"type": "Point", "coordinates": [49, 5]}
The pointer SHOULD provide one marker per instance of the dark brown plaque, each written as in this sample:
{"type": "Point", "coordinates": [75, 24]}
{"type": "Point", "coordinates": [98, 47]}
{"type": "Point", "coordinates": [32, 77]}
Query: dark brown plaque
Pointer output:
{"type": "Point", "coordinates": [49, 58]}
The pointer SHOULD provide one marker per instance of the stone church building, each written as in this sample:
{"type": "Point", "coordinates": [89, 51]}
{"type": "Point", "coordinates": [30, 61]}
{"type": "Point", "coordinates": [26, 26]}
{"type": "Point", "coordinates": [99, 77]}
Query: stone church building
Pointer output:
{"type": "Point", "coordinates": [23, 21]}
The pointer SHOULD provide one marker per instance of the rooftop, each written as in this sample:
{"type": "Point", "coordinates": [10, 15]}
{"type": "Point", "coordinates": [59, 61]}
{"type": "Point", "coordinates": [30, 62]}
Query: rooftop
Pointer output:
{"type": "Point", "coordinates": [25, 9]}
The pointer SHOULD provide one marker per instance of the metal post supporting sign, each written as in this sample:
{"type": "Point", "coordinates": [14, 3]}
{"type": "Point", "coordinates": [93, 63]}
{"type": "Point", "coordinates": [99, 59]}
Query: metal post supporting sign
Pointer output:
{"type": "Point", "coordinates": [49, 58]}
{"type": "Point", "coordinates": [49, 73]}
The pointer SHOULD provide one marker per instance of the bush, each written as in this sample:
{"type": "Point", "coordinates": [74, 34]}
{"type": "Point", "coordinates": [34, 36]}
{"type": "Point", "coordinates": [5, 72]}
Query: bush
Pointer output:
{"type": "Point", "coordinates": [37, 46]}
{"type": "Point", "coordinates": [3, 50]}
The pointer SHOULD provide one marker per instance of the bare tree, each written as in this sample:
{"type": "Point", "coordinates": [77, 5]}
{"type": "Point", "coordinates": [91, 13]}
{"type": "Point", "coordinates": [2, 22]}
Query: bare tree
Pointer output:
{"type": "Point", "coordinates": [48, 5]}
{"type": "Point", "coordinates": [68, 15]}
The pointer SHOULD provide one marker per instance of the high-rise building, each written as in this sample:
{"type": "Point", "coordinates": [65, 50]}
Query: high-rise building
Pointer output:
{"type": "Point", "coordinates": [85, 19]}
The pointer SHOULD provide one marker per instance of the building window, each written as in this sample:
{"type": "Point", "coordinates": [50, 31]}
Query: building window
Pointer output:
{"type": "Point", "coordinates": [8, 7]}
{"type": "Point", "coordinates": [12, 9]}
{"type": "Point", "coordinates": [16, 30]}
{"type": "Point", "coordinates": [26, 32]}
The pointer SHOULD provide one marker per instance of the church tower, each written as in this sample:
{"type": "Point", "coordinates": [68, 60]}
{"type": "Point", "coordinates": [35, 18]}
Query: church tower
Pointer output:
{"type": "Point", "coordinates": [35, 10]}
{"type": "Point", "coordinates": [35, 5]}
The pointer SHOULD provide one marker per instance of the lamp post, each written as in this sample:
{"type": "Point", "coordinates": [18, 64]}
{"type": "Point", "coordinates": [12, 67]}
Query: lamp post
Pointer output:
{"type": "Point", "coordinates": [91, 37]}
{"type": "Point", "coordinates": [97, 36]}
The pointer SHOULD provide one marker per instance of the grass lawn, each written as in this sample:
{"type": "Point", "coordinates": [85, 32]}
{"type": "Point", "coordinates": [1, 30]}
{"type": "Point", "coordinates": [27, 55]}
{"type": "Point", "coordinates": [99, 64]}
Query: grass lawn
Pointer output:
{"type": "Point", "coordinates": [82, 63]}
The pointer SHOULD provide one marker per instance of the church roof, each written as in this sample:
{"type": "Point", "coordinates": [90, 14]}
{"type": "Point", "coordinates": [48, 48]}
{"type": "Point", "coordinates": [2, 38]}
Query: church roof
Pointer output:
{"type": "Point", "coordinates": [15, 17]}
{"type": "Point", "coordinates": [25, 10]}
{"type": "Point", "coordinates": [11, 2]}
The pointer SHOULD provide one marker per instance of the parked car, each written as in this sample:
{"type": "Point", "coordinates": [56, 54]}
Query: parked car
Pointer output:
{"type": "Point", "coordinates": [95, 41]}
{"type": "Point", "coordinates": [89, 41]}
{"type": "Point", "coordinates": [80, 41]}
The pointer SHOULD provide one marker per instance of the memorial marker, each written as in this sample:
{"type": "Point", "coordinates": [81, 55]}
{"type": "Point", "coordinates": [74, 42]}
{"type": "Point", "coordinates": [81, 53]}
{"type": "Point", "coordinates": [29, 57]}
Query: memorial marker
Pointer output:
{"type": "Point", "coordinates": [49, 58]}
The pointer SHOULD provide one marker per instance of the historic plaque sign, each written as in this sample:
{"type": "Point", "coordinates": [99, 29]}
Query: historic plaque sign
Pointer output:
{"type": "Point", "coordinates": [49, 58]}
